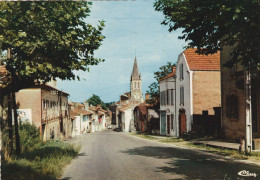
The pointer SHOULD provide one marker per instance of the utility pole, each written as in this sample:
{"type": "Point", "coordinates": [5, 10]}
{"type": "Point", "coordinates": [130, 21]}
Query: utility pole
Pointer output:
{"type": "Point", "coordinates": [248, 104]}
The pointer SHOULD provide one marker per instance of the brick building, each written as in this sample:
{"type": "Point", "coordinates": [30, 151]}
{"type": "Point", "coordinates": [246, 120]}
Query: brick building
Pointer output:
{"type": "Point", "coordinates": [197, 88]}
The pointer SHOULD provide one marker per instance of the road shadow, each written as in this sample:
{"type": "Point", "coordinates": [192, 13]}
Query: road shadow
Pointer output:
{"type": "Point", "coordinates": [193, 164]}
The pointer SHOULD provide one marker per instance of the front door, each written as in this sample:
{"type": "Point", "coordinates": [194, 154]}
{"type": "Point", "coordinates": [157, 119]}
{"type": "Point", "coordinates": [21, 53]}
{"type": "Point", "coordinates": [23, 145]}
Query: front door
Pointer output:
{"type": "Point", "coordinates": [182, 122]}
{"type": "Point", "coordinates": [168, 123]}
{"type": "Point", "coordinates": [163, 122]}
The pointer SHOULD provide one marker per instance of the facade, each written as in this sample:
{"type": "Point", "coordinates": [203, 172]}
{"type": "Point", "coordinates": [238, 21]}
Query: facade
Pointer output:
{"type": "Point", "coordinates": [168, 124]}
{"type": "Point", "coordinates": [140, 118]}
{"type": "Point", "coordinates": [82, 122]}
{"type": "Point", "coordinates": [47, 108]}
{"type": "Point", "coordinates": [98, 118]}
{"type": "Point", "coordinates": [146, 119]}
{"type": "Point", "coordinates": [197, 88]}
{"type": "Point", "coordinates": [237, 110]}
{"type": "Point", "coordinates": [125, 115]}
{"type": "Point", "coordinates": [114, 114]}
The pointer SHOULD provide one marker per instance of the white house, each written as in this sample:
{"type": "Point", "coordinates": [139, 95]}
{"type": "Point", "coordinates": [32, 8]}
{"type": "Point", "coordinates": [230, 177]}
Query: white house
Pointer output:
{"type": "Point", "coordinates": [125, 117]}
{"type": "Point", "coordinates": [168, 124]}
{"type": "Point", "coordinates": [98, 118]}
{"type": "Point", "coordinates": [197, 87]}
{"type": "Point", "coordinates": [82, 122]}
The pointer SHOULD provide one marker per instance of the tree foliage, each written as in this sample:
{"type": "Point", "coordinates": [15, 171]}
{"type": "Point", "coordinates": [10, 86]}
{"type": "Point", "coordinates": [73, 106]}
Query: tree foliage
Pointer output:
{"type": "Point", "coordinates": [96, 100]}
{"type": "Point", "coordinates": [154, 87]}
{"type": "Point", "coordinates": [210, 25]}
{"type": "Point", "coordinates": [48, 39]}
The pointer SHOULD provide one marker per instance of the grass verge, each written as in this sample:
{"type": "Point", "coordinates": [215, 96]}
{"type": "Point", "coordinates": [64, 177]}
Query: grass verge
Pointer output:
{"type": "Point", "coordinates": [227, 152]}
{"type": "Point", "coordinates": [255, 156]}
{"type": "Point", "coordinates": [44, 162]}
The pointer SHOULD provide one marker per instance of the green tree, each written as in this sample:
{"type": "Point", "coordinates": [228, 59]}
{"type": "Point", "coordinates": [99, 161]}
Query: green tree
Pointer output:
{"type": "Point", "coordinates": [154, 87]}
{"type": "Point", "coordinates": [96, 100]}
{"type": "Point", "coordinates": [210, 25]}
{"type": "Point", "coordinates": [46, 40]}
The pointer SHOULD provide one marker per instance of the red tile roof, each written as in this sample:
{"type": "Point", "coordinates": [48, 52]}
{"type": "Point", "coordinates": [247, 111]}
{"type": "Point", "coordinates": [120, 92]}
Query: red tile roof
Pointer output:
{"type": "Point", "coordinates": [143, 108]}
{"type": "Point", "coordinates": [77, 112]}
{"type": "Point", "coordinates": [125, 107]}
{"type": "Point", "coordinates": [169, 75]}
{"type": "Point", "coordinates": [202, 62]}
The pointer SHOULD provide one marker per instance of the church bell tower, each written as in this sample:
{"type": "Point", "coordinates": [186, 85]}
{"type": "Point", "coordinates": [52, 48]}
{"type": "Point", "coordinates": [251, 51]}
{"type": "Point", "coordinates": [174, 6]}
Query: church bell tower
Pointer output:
{"type": "Point", "coordinates": [136, 85]}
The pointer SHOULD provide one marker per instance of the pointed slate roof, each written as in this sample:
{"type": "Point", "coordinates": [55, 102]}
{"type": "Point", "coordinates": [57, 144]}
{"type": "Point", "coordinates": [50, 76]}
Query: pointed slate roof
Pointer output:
{"type": "Point", "coordinates": [135, 73]}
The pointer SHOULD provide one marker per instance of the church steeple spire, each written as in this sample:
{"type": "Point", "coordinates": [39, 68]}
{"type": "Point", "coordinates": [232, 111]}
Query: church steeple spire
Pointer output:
{"type": "Point", "coordinates": [135, 73]}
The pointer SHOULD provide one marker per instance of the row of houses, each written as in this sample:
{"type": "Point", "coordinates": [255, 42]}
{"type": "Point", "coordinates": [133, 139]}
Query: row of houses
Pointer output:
{"type": "Point", "coordinates": [201, 95]}
{"type": "Point", "coordinates": [49, 109]}
{"type": "Point", "coordinates": [191, 95]}
{"type": "Point", "coordinates": [204, 95]}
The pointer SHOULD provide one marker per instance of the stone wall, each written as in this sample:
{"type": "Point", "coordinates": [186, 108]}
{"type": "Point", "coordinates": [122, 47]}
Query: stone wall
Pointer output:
{"type": "Point", "coordinates": [232, 128]}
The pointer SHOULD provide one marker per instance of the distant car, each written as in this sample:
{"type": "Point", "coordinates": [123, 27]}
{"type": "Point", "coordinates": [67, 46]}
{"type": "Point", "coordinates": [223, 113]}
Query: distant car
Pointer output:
{"type": "Point", "coordinates": [109, 126]}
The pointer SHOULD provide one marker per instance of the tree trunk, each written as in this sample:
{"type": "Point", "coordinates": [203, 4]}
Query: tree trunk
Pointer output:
{"type": "Point", "coordinates": [17, 138]}
{"type": "Point", "coordinates": [10, 128]}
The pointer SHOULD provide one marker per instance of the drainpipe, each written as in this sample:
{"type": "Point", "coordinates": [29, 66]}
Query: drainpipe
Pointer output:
{"type": "Point", "coordinates": [175, 104]}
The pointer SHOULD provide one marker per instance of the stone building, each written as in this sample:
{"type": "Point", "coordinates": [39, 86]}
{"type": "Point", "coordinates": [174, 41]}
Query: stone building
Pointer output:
{"type": "Point", "coordinates": [146, 118]}
{"type": "Point", "coordinates": [240, 102]}
{"type": "Point", "coordinates": [47, 108]}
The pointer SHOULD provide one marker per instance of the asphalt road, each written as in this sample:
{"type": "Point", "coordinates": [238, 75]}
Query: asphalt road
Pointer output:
{"type": "Point", "coordinates": [110, 155]}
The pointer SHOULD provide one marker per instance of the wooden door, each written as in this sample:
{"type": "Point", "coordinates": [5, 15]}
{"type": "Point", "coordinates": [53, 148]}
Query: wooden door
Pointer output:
{"type": "Point", "coordinates": [182, 122]}
{"type": "Point", "coordinates": [168, 123]}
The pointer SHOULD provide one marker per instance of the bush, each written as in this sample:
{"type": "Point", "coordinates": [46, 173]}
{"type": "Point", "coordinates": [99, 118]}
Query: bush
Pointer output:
{"type": "Point", "coordinates": [29, 137]}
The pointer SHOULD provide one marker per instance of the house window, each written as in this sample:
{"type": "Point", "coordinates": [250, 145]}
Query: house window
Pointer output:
{"type": "Point", "coordinates": [182, 96]}
{"type": "Point", "coordinates": [135, 85]}
{"type": "Point", "coordinates": [172, 97]}
{"type": "Point", "coordinates": [181, 72]}
{"type": "Point", "coordinates": [232, 106]}
{"type": "Point", "coordinates": [138, 84]}
{"type": "Point", "coordinates": [163, 98]}
{"type": "Point", "coordinates": [172, 121]}
{"type": "Point", "coordinates": [168, 97]}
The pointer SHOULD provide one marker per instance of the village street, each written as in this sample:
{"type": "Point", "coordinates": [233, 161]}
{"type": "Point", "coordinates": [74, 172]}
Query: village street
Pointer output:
{"type": "Point", "coordinates": [116, 155]}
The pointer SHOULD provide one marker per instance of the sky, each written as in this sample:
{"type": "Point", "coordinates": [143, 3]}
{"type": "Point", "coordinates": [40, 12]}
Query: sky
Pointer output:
{"type": "Point", "coordinates": [132, 28]}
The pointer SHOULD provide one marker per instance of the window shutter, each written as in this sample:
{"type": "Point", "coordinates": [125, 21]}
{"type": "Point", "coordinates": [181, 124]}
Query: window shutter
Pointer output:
{"type": "Point", "coordinates": [228, 106]}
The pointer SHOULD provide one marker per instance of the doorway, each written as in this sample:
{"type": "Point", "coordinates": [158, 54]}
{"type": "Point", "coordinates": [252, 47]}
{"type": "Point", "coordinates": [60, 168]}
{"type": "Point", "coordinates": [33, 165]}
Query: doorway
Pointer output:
{"type": "Point", "coordinates": [182, 122]}
{"type": "Point", "coordinates": [163, 122]}
{"type": "Point", "coordinates": [168, 123]}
